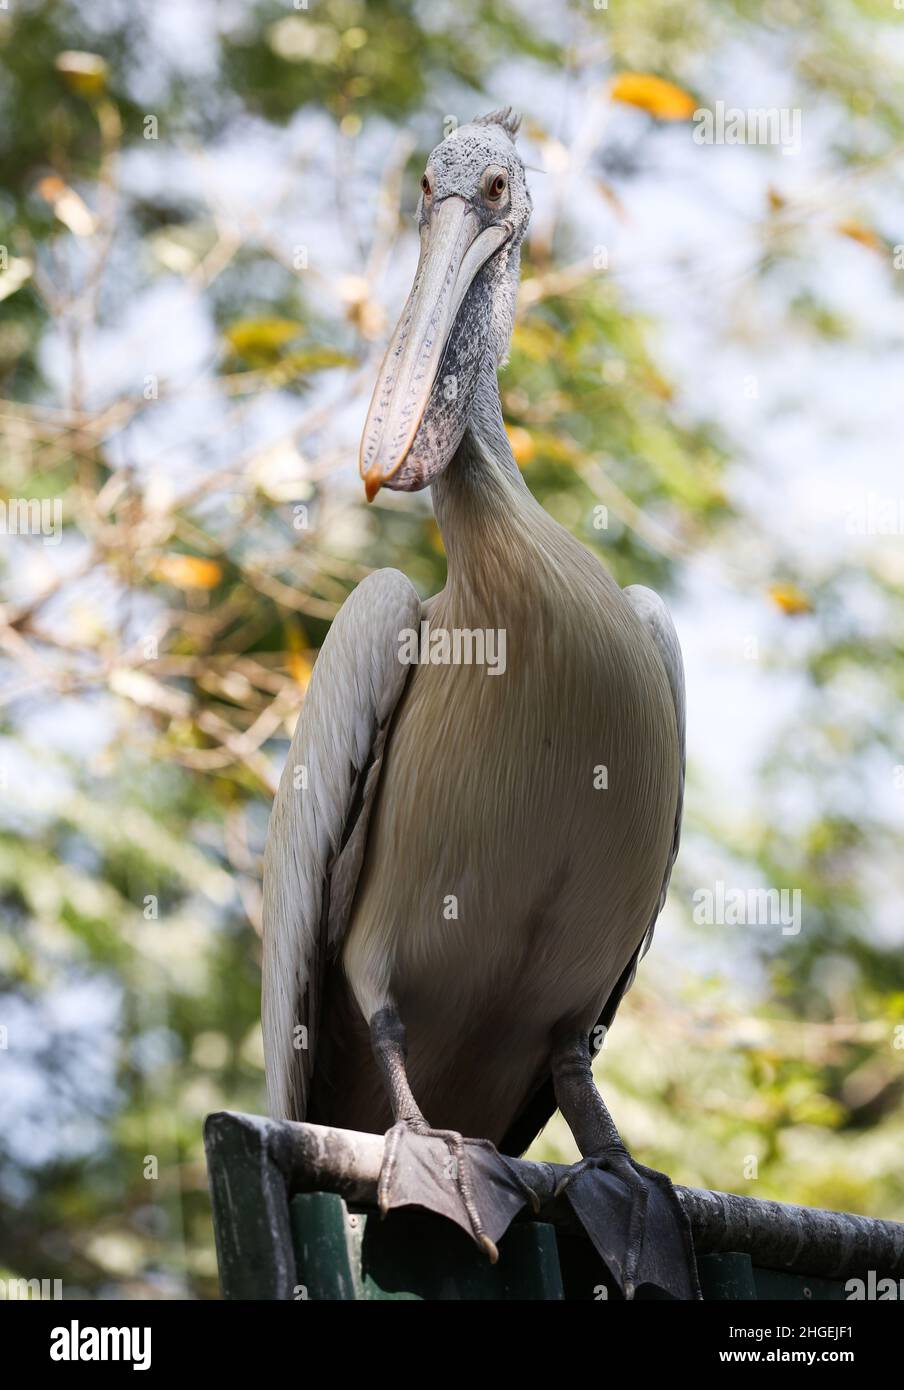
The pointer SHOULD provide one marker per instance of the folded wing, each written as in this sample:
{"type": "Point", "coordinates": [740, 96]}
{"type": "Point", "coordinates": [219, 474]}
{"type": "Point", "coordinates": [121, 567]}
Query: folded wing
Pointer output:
{"type": "Point", "coordinates": [318, 826]}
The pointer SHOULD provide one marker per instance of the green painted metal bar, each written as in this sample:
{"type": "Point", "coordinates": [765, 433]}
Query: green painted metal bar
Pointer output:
{"type": "Point", "coordinates": [291, 1221]}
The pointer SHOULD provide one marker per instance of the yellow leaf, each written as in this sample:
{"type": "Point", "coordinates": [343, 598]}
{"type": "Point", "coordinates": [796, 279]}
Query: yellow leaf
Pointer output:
{"type": "Point", "coordinates": [856, 231]}
{"type": "Point", "coordinates": [661, 99]}
{"type": "Point", "coordinates": [300, 665]}
{"type": "Point", "coordinates": [260, 341]}
{"type": "Point", "coordinates": [67, 205]}
{"type": "Point", "coordinates": [85, 73]}
{"type": "Point", "coordinates": [188, 571]}
{"type": "Point", "coordinates": [434, 536]}
{"type": "Point", "coordinates": [522, 442]}
{"type": "Point", "coordinates": [790, 599]}
{"type": "Point", "coordinates": [316, 359]}
{"type": "Point", "coordinates": [300, 658]}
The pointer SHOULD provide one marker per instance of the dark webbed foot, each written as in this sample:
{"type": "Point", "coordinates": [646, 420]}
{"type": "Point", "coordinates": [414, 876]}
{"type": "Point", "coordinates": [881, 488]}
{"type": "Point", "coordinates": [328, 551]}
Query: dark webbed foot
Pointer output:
{"type": "Point", "coordinates": [630, 1212]}
{"type": "Point", "coordinates": [457, 1169]}
{"type": "Point", "coordinates": [621, 1165]}
{"type": "Point", "coordinates": [417, 1173]}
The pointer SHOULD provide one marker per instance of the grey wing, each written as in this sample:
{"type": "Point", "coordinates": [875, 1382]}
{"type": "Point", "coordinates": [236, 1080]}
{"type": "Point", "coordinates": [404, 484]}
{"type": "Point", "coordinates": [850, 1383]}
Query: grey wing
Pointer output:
{"type": "Point", "coordinates": [657, 619]}
{"type": "Point", "coordinates": [541, 1103]}
{"type": "Point", "coordinates": [318, 826]}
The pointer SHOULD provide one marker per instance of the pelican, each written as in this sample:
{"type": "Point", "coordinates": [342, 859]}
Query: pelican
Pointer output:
{"type": "Point", "coordinates": [465, 862]}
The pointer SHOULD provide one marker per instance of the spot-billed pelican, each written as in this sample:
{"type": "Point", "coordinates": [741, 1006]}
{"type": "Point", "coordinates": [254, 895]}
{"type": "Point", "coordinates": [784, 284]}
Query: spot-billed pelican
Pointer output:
{"type": "Point", "coordinates": [466, 862]}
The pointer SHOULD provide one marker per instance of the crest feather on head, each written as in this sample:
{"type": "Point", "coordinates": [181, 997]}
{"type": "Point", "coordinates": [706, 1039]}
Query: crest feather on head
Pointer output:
{"type": "Point", "coordinates": [505, 117]}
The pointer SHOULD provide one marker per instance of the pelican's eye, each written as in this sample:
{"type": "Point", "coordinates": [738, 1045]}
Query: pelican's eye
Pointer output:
{"type": "Point", "coordinates": [425, 186]}
{"type": "Point", "coordinates": [496, 187]}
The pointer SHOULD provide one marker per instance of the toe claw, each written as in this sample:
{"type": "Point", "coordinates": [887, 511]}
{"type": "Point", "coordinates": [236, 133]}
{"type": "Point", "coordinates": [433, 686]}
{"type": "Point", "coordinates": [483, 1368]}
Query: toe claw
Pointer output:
{"type": "Point", "coordinates": [570, 1174]}
{"type": "Point", "coordinates": [490, 1248]}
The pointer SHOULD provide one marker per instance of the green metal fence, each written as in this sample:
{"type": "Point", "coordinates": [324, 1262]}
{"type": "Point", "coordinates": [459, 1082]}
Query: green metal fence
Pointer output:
{"type": "Point", "coordinates": [294, 1218]}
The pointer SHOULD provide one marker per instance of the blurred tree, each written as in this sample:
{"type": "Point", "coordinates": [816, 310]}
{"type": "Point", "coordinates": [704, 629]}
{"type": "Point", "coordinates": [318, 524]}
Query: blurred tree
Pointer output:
{"type": "Point", "coordinates": [196, 282]}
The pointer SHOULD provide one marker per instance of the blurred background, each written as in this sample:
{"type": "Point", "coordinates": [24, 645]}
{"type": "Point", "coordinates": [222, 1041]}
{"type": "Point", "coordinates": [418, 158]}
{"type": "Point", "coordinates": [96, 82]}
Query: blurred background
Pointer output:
{"type": "Point", "coordinates": [206, 234]}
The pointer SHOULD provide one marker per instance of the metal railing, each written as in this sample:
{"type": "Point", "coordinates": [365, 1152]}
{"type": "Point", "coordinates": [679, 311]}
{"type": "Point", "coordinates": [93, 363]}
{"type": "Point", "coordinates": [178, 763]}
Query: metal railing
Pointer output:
{"type": "Point", "coordinates": [256, 1166]}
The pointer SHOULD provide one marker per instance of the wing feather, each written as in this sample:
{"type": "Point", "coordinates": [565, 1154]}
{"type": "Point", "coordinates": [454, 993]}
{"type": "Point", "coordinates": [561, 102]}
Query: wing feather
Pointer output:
{"type": "Point", "coordinates": [657, 619]}
{"type": "Point", "coordinates": [318, 826]}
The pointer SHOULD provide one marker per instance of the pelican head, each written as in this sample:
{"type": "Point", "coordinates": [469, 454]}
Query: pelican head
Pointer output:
{"type": "Point", "coordinates": [473, 212]}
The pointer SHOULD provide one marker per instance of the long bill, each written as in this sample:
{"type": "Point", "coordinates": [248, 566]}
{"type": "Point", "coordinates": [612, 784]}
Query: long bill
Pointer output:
{"type": "Point", "coordinates": [453, 249]}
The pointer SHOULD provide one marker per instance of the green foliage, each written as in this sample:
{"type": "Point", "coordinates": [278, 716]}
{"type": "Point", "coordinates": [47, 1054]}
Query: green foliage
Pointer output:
{"type": "Point", "coordinates": [153, 664]}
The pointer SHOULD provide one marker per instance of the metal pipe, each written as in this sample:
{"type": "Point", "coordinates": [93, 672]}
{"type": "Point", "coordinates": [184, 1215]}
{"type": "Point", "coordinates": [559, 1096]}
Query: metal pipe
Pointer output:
{"type": "Point", "coordinates": [776, 1235]}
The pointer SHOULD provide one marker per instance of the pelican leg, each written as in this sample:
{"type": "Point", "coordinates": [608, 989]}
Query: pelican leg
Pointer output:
{"type": "Point", "coordinates": [599, 1141]}
{"type": "Point", "coordinates": [389, 1044]}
